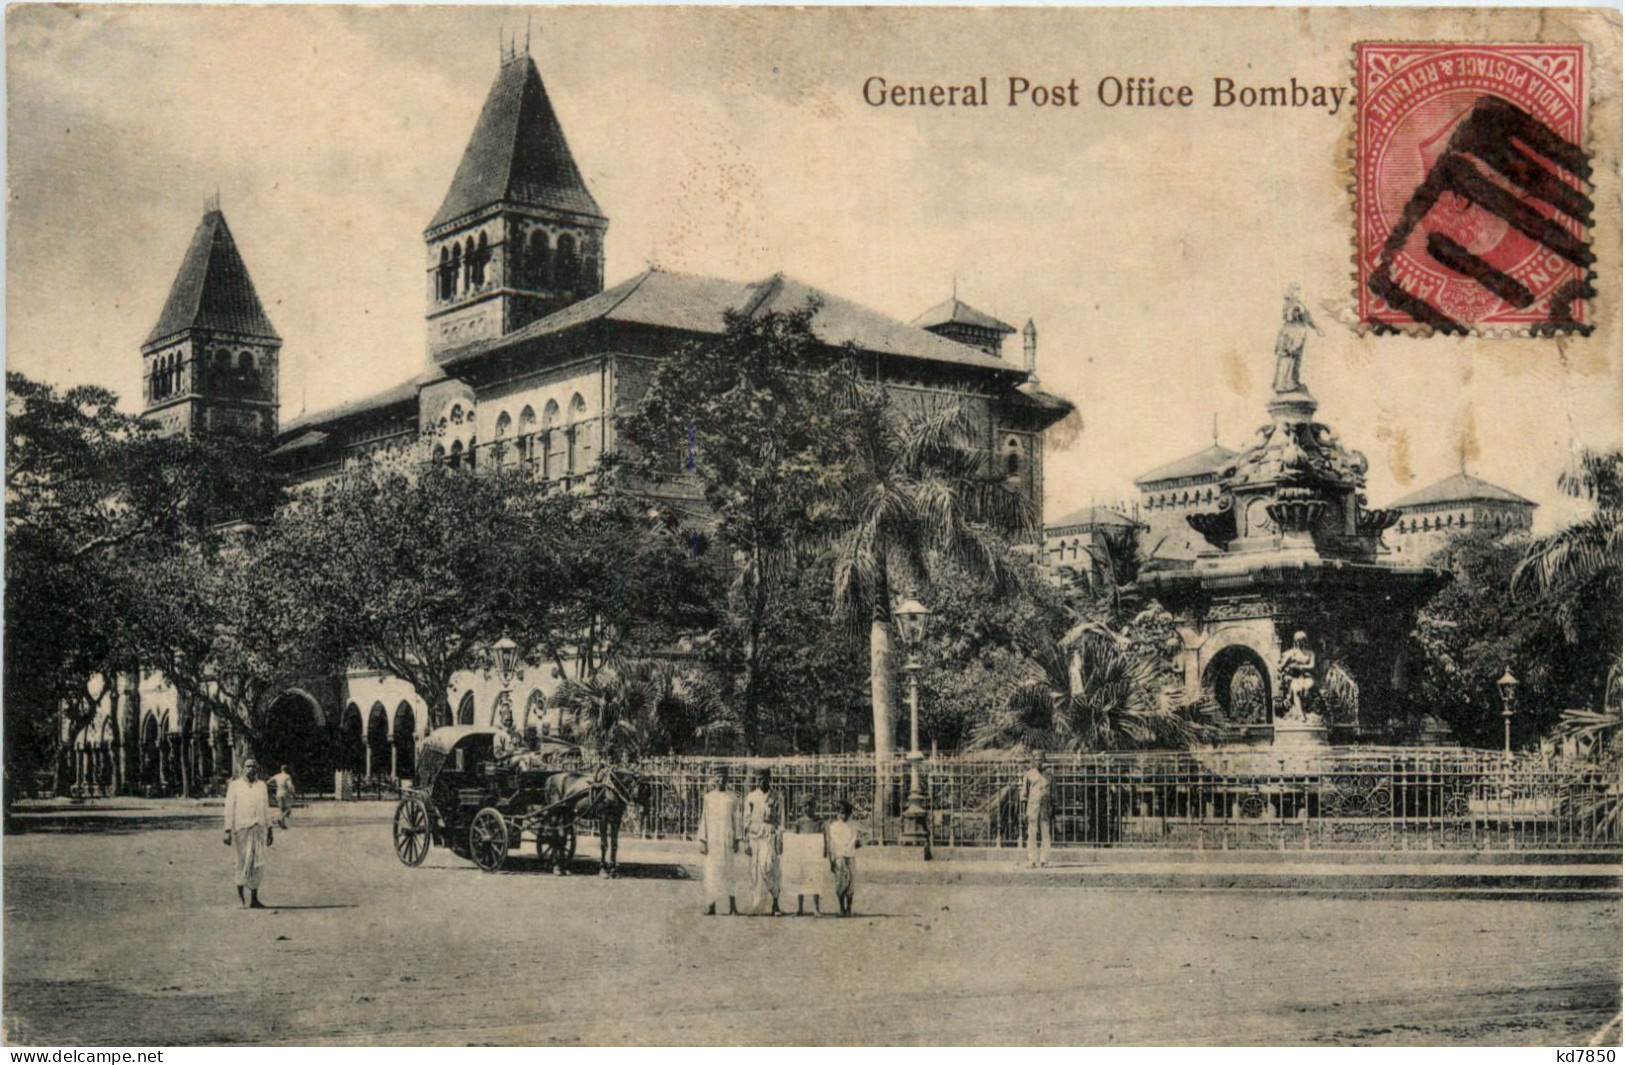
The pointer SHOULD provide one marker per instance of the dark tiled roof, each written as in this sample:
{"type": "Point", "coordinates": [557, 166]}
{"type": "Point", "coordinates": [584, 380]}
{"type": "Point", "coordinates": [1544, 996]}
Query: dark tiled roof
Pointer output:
{"type": "Point", "coordinates": [1461, 488]}
{"type": "Point", "coordinates": [952, 311]}
{"type": "Point", "coordinates": [389, 397]}
{"type": "Point", "coordinates": [1095, 517]}
{"type": "Point", "coordinates": [212, 289]}
{"type": "Point", "coordinates": [700, 305]}
{"type": "Point", "coordinates": [1031, 395]}
{"type": "Point", "coordinates": [307, 439]}
{"type": "Point", "coordinates": [517, 154]}
{"type": "Point", "coordinates": [1208, 460]}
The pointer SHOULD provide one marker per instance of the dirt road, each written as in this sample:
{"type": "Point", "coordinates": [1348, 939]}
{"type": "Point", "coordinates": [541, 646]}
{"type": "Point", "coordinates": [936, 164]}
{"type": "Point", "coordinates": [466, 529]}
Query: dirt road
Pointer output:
{"type": "Point", "coordinates": [124, 929]}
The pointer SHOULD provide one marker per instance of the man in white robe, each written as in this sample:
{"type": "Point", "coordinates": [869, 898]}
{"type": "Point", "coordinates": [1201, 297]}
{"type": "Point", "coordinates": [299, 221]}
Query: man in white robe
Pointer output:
{"type": "Point", "coordinates": [248, 831]}
{"type": "Point", "coordinates": [764, 843]}
{"type": "Point", "coordinates": [719, 840]}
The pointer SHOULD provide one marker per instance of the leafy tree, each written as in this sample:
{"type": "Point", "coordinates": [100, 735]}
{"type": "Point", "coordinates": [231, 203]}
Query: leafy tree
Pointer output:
{"type": "Point", "coordinates": [631, 709]}
{"type": "Point", "coordinates": [976, 653]}
{"type": "Point", "coordinates": [756, 419]}
{"type": "Point", "coordinates": [229, 622]}
{"type": "Point", "coordinates": [1475, 628]}
{"type": "Point", "coordinates": [92, 494]}
{"type": "Point", "coordinates": [1096, 690]}
{"type": "Point", "coordinates": [1577, 570]}
{"type": "Point", "coordinates": [411, 567]}
{"type": "Point", "coordinates": [917, 493]}
{"type": "Point", "coordinates": [1586, 554]}
{"type": "Point", "coordinates": [416, 568]}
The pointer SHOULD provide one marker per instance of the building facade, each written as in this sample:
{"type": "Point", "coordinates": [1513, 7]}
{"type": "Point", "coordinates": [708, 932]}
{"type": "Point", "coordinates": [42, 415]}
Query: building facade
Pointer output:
{"type": "Point", "coordinates": [1459, 505]}
{"type": "Point", "coordinates": [529, 361]}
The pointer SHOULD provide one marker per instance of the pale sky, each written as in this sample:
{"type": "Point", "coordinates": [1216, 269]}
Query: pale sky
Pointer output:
{"type": "Point", "coordinates": [1151, 246]}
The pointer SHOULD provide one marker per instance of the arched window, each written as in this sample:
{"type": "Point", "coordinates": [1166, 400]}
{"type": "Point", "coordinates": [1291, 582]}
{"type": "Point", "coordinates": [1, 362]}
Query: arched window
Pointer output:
{"type": "Point", "coordinates": [526, 444]}
{"type": "Point", "coordinates": [539, 260]}
{"type": "Point", "coordinates": [552, 441]}
{"type": "Point", "coordinates": [1012, 457]}
{"type": "Point", "coordinates": [499, 443]}
{"type": "Point", "coordinates": [565, 266]}
{"type": "Point", "coordinates": [456, 267]}
{"type": "Point", "coordinates": [439, 452]}
{"type": "Point", "coordinates": [473, 451]}
{"type": "Point", "coordinates": [465, 710]}
{"type": "Point", "coordinates": [245, 363]}
{"type": "Point", "coordinates": [456, 414]}
{"type": "Point", "coordinates": [482, 255]}
{"type": "Point", "coordinates": [468, 265]}
{"type": "Point", "coordinates": [592, 280]}
{"type": "Point", "coordinates": [577, 436]}
{"type": "Point", "coordinates": [456, 454]}
{"type": "Point", "coordinates": [446, 276]}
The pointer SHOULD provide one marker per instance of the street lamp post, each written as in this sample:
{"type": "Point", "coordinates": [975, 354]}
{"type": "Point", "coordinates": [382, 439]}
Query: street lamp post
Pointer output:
{"type": "Point", "coordinates": [506, 655]}
{"type": "Point", "coordinates": [1509, 697]}
{"type": "Point", "coordinates": [911, 616]}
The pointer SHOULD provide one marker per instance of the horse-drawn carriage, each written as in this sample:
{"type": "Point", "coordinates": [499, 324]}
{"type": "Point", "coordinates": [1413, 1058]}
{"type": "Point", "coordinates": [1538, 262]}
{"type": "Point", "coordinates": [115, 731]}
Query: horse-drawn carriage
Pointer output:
{"type": "Point", "coordinates": [482, 807]}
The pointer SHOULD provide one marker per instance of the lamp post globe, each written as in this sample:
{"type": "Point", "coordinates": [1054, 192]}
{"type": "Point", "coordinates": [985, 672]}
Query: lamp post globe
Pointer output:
{"type": "Point", "coordinates": [506, 655]}
{"type": "Point", "coordinates": [911, 616]}
{"type": "Point", "coordinates": [1508, 685]}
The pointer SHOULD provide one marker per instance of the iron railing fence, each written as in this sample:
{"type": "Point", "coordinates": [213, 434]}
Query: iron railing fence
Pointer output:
{"type": "Point", "coordinates": [1338, 799]}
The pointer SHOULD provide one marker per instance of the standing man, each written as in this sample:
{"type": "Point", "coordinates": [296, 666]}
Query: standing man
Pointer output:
{"type": "Point", "coordinates": [762, 842]}
{"type": "Point", "coordinates": [1035, 796]}
{"type": "Point", "coordinates": [841, 842]}
{"type": "Point", "coordinates": [284, 796]}
{"type": "Point", "coordinates": [248, 829]}
{"type": "Point", "coordinates": [719, 840]}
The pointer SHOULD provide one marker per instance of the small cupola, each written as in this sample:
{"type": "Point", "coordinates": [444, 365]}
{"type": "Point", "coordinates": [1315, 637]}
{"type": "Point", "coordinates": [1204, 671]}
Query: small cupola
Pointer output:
{"type": "Point", "coordinates": [960, 322]}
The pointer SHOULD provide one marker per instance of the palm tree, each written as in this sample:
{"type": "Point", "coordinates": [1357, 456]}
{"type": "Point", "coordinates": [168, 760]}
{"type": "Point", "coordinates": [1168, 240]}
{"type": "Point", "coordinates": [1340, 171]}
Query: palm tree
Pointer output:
{"type": "Point", "coordinates": [1091, 691]}
{"type": "Point", "coordinates": [1590, 548]}
{"type": "Point", "coordinates": [634, 708]}
{"type": "Point", "coordinates": [916, 491]}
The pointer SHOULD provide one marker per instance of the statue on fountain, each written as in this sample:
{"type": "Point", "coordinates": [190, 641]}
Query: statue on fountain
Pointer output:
{"type": "Point", "coordinates": [1295, 326]}
{"type": "Point", "coordinates": [1297, 679]}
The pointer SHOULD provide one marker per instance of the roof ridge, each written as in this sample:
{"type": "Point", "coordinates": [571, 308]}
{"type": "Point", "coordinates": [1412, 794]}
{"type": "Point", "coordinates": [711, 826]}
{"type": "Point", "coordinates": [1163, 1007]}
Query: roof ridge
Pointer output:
{"type": "Point", "coordinates": [638, 281]}
{"type": "Point", "coordinates": [769, 287]}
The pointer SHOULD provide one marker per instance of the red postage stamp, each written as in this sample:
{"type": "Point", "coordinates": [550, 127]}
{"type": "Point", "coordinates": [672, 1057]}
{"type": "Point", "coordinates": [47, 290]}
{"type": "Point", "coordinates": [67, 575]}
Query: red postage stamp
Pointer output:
{"type": "Point", "coordinates": [1471, 188]}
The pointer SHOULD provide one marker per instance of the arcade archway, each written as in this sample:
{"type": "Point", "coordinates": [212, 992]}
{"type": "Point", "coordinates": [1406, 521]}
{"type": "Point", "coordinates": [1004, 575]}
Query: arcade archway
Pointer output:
{"type": "Point", "coordinates": [465, 710]}
{"type": "Point", "coordinates": [293, 736]}
{"type": "Point", "coordinates": [406, 727]}
{"type": "Point", "coordinates": [352, 753]}
{"type": "Point", "coordinates": [378, 741]}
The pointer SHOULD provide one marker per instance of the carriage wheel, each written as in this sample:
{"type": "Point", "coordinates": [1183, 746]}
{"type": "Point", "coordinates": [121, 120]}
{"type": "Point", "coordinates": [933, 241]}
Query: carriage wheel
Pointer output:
{"type": "Point", "coordinates": [558, 851]}
{"type": "Point", "coordinates": [411, 831]}
{"type": "Point", "coordinates": [488, 840]}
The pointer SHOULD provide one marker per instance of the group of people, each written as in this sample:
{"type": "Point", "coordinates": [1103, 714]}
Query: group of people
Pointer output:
{"type": "Point", "coordinates": [807, 857]}
{"type": "Point", "coordinates": [250, 831]}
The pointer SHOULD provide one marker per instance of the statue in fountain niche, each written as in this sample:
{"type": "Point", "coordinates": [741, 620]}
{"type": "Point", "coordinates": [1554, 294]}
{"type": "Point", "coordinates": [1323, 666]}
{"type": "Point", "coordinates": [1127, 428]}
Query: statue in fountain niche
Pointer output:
{"type": "Point", "coordinates": [1297, 680]}
{"type": "Point", "coordinates": [1295, 326]}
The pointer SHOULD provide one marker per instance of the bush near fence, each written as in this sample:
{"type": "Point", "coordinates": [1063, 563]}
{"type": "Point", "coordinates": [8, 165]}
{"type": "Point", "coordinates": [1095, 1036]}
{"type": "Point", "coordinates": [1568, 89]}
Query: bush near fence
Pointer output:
{"type": "Point", "coordinates": [1340, 799]}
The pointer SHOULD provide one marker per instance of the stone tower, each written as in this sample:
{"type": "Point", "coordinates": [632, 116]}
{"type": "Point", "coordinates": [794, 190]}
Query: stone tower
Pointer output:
{"type": "Point", "coordinates": [518, 235]}
{"type": "Point", "coordinates": [210, 364]}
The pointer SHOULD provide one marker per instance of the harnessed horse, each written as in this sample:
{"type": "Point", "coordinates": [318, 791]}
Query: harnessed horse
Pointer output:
{"type": "Point", "coordinates": [603, 795]}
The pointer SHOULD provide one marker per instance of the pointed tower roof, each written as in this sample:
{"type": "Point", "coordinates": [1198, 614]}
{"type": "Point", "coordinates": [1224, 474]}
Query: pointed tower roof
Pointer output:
{"type": "Point", "coordinates": [213, 289]}
{"type": "Point", "coordinates": [517, 153]}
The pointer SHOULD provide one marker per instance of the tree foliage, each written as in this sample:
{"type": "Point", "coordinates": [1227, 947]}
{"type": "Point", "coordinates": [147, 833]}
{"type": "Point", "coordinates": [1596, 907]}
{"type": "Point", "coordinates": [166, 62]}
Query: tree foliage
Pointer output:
{"type": "Point", "coordinates": [96, 500]}
{"type": "Point", "coordinates": [756, 419]}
